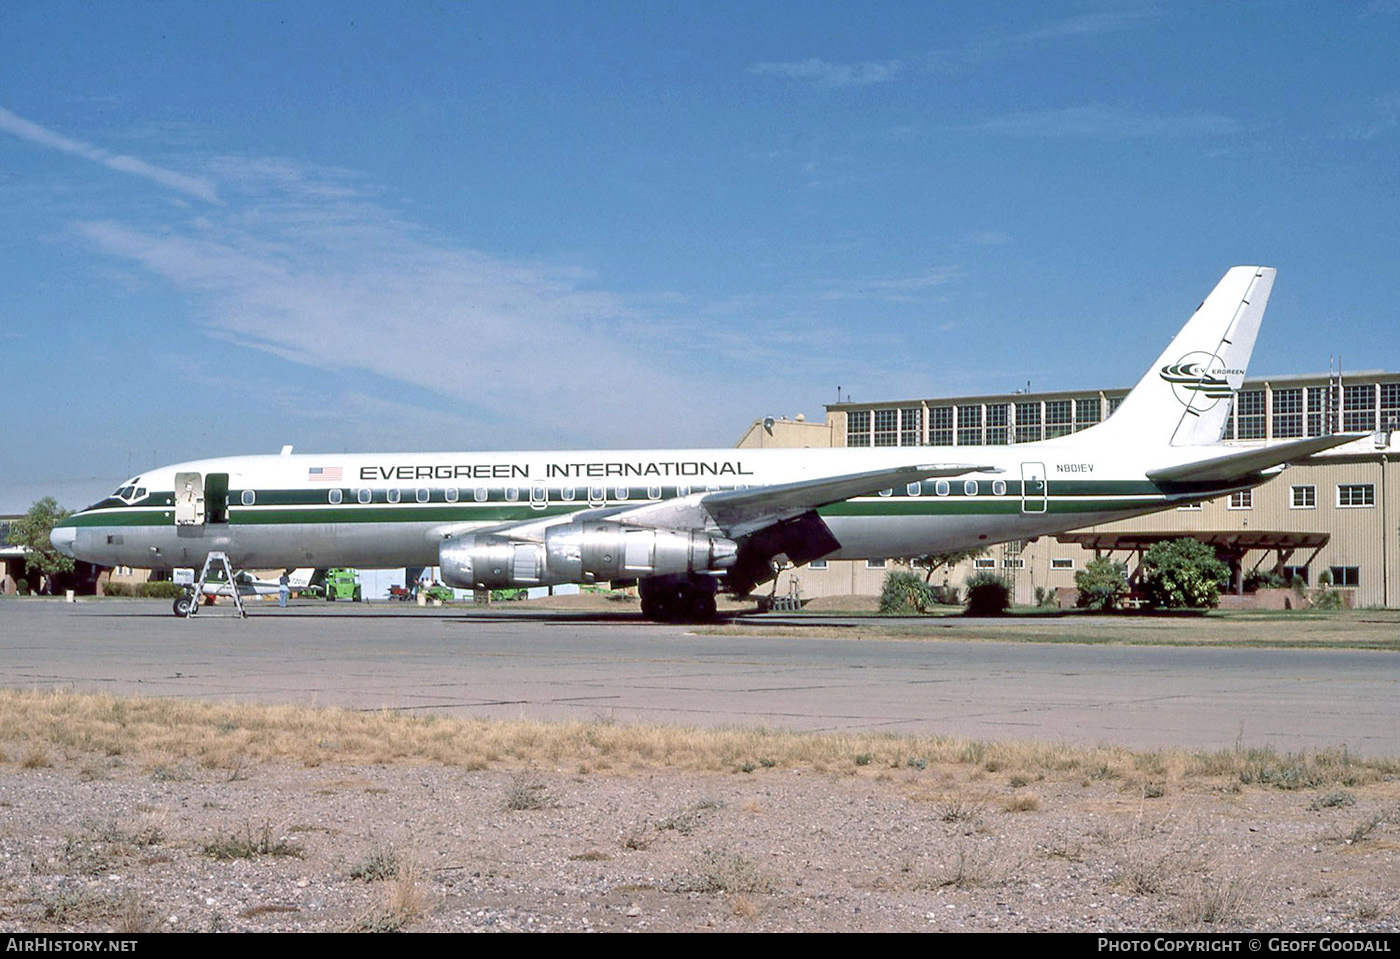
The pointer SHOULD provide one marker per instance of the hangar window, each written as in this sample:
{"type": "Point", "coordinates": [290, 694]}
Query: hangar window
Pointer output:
{"type": "Point", "coordinates": [335, 496]}
{"type": "Point", "coordinates": [393, 495]}
{"type": "Point", "coordinates": [365, 496]}
{"type": "Point", "coordinates": [1359, 408]}
{"type": "Point", "coordinates": [1028, 423]}
{"type": "Point", "coordinates": [858, 428]}
{"type": "Point", "coordinates": [998, 416]}
{"type": "Point", "coordinates": [911, 426]}
{"type": "Point", "coordinates": [1288, 412]}
{"type": "Point", "coordinates": [1059, 418]}
{"type": "Point", "coordinates": [1242, 499]}
{"type": "Point", "coordinates": [1345, 575]}
{"type": "Point", "coordinates": [1290, 573]}
{"type": "Point", "coordinates": [985, 562]}
{"type": "Point", "coordinates": [1304, 497]}
{"type": "Point", "coordinates": [479, 494]}
{"type": "Point", "coordinates": [450, 494]}
{"type": "Point", "coordinates": [940, 426]}
{"type": "Point", "coordinates": [1356, 494]}
{"type": "Point", "coordinates": [818, 564]}
{"type": "Point", "coordinates": [874, 564]}
{"type": "Point", "coordinates": [1087, 412]}
{"type": "Point", "coordinates": [422, 496]}
{"type": "Point", "coordinates": [1249, 409]}
{"type": "Point", "coordinates": [248, 498]}
{"type": "Point", "coordinates": [1062, 564]}
{"type": "Point", "coordinates": [886, 427]}
{"type": "Point", "coordinates": [1013, 563]}
{"type": "Point", "coordinates": [970, 425]}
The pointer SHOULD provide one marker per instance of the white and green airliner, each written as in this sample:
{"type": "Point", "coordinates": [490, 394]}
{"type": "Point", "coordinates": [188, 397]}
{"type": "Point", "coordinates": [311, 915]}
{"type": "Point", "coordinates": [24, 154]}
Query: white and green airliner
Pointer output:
{"type": "Point", "coordinates": [686, 524]}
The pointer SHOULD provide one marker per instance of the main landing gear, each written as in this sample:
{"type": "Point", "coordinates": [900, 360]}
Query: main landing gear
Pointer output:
{"type": "Point", "coordinates": [677, 601]}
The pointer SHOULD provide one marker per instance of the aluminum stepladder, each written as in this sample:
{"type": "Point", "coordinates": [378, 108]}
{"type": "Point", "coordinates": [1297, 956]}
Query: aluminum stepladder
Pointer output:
{"type": "Point", "coordinates": [216, 559]}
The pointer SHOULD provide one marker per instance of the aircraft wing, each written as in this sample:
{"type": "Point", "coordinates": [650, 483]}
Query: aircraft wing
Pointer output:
{"type": "Point", "coordinates": [1242, 464]}
{"type": "Point", "coordinates": [733, 513]}
{"type": "Point", "coordinates": [743, 511]}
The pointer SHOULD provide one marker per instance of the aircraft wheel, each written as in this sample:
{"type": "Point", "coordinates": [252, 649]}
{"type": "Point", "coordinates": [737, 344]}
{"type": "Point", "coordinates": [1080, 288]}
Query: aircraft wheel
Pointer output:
{"type": "Point", "coordinates": [182, 604]}
{"type": "Point", "coordinates": [701, 606]}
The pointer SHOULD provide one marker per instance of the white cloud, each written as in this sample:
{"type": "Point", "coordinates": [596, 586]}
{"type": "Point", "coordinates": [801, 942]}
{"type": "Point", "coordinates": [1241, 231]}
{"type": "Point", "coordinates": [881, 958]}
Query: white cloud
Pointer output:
{"type": "Point", "coordinates": [199, 187]}
{"type": "Point", "coordinates": [1108, 122]}
{"type": "Point", "coordinates": [826, 74]}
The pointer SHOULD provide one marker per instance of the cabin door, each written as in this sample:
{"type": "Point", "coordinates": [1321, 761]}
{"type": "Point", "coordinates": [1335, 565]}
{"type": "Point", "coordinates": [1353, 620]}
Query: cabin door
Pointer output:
{"type": "Point", "coordinates": [1033, 488]}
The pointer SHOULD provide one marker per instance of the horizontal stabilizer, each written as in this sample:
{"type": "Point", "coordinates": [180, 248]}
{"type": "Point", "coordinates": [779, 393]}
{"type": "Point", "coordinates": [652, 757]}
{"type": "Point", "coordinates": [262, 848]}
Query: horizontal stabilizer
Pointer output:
{"type": "Point", "coordinates": [1244, 463]}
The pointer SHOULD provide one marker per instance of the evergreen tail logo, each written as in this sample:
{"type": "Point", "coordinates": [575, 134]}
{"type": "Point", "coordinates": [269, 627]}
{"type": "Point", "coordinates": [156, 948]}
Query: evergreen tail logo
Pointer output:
{"type": "Point", "coordinates": [1200, 377]}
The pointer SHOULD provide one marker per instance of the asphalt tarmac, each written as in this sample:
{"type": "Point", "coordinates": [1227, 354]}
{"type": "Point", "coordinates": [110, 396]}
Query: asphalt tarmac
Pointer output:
{"type": "Point", "coordinates": [588, 666]}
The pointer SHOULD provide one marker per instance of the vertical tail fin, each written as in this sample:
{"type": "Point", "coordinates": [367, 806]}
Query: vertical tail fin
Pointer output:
{"type": "Point", "coordinates": [1185, 396]}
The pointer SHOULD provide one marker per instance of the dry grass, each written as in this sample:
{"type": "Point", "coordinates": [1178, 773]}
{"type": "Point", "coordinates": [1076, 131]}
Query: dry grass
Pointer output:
{"type": "Point", "coordinates": [175, 738]}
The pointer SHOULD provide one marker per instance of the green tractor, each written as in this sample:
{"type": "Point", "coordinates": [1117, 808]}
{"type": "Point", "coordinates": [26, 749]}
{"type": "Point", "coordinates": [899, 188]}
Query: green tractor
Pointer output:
{"type": "Point", "coordinates": [342, 584]}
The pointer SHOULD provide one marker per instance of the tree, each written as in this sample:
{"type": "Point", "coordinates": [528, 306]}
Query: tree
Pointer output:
{"type": "Point", "coordinates": [931, 562]}
{"type": "Point", "coordinates": [1183, 573]}
{"type": "Point", "coordinates": [32, 531]}
{"type": "Point", "coordinates": [1102, 583]}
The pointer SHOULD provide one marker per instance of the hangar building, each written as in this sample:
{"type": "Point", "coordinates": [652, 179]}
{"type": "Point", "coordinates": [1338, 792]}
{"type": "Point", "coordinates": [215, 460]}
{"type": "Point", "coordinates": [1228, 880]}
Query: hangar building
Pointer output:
{"type": "Point", "coordinates": [1335, 518]}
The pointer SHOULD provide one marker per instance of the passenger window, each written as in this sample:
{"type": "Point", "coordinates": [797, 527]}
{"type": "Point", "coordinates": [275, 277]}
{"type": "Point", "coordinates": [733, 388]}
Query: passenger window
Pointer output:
{"type": "Point", "coordinates": [335, 496]}
{"type": "Point", "coordinates": [365, 496]}
{"type": "Point", "coordinates": [393, 496]}
{"type": "Point", "coordinates": [653, 492]}
{"type": "Point", "coordinates": [512, 494]}
{"type": "Point", "coordinates": [422, 496]}
{"type": "Point", "coordinates": [567, 494]}
{"type": "Point", "coordinates": [450, 494]}
{"type": "Point", "coordinates": [970, 487]}
{"type": "Point", "coordinates": [941, 488]}
{"type": "Point", "coordinates": [623, 492]}
{"type": "Point", "coordinates": [249, 497]}
{"type": "Point", "coordinates": [999, 487]}
{"type": "Point", "coordinates": [480, 494]}
{"type": "Point", "coordinates": [914, 489]}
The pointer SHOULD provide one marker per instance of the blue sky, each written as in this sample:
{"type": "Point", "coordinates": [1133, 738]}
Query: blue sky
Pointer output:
{"type": "Point", "coordinates": [366, 226]}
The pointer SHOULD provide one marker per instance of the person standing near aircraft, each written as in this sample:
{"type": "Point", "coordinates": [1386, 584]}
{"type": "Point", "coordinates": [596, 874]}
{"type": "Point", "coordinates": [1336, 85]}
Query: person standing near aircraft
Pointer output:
{"type": "Point", "coordinates": [284, 589]}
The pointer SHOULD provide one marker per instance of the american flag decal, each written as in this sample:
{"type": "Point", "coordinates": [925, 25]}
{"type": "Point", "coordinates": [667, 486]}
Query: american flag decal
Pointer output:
{"type": "Point", "coordinates": [323, 474]}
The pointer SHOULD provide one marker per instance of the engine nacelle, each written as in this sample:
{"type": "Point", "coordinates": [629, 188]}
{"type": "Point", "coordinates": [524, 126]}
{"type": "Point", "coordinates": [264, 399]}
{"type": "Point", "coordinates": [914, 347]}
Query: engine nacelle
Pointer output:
{"type": "Point", "coordinates": [580, 553]}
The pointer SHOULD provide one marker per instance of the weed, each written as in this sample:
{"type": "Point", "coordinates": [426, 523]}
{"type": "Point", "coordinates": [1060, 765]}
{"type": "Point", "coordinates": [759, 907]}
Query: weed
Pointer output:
{"type": "Point", "coordinates": [727, 872]}
{"type": "Point", "coordinates": [1333, 800]}
{"type": "Point", "coordinates": [959, 808]}
{"type": "Point", "coordinates": [1209, 901]}
{"type": "Point", "coordinates": [526, 794]}
{"type": "Point", "coordinates": [381, 863]}
{"type": "Point", "coordinates": [1024, 802]}
{"type": "Point", "coordinates": [250, 846]}
{"type": "Point", "coordinates": [592, 855]}
{"type": "Point", "coordinates": [864, 759]}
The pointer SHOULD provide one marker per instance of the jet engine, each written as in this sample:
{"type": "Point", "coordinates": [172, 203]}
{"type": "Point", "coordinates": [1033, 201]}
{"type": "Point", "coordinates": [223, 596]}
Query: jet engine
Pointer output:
{"type": "Point", "coordinates": [580, 553]}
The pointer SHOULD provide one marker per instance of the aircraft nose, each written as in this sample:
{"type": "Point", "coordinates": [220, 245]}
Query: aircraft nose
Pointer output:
{"type": "Point", "coordinates": [62, 538]}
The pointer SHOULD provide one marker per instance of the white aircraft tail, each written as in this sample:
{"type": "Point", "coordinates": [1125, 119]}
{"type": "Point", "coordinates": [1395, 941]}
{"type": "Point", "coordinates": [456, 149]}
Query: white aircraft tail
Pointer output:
{"type": "Point", "coordinates": [1186, 395]}
{"type": "Point", "coordinates": [300, 578]}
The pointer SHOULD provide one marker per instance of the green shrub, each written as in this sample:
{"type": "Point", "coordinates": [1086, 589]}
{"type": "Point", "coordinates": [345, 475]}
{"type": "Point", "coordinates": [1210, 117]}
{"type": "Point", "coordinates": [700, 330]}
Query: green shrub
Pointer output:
{"type": "Point", "coordinates": [1326, 599]}
{"type": "Point", "coordinates": [158, 589]}
{"type": "Point", "coordinates": [117, 589]}
{"type": "Point", "coordinates": [1102, 584]}
{"type": "Point", "coordinates": [988, 595]}
{"type": "Point", "coordinates": [905, 592]}
{"type": "Point", "coordinates": [1183, 574]}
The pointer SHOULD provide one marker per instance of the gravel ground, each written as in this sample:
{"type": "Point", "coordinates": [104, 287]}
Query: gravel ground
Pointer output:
{"type": "Point", "coordinates": [97, 843]}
